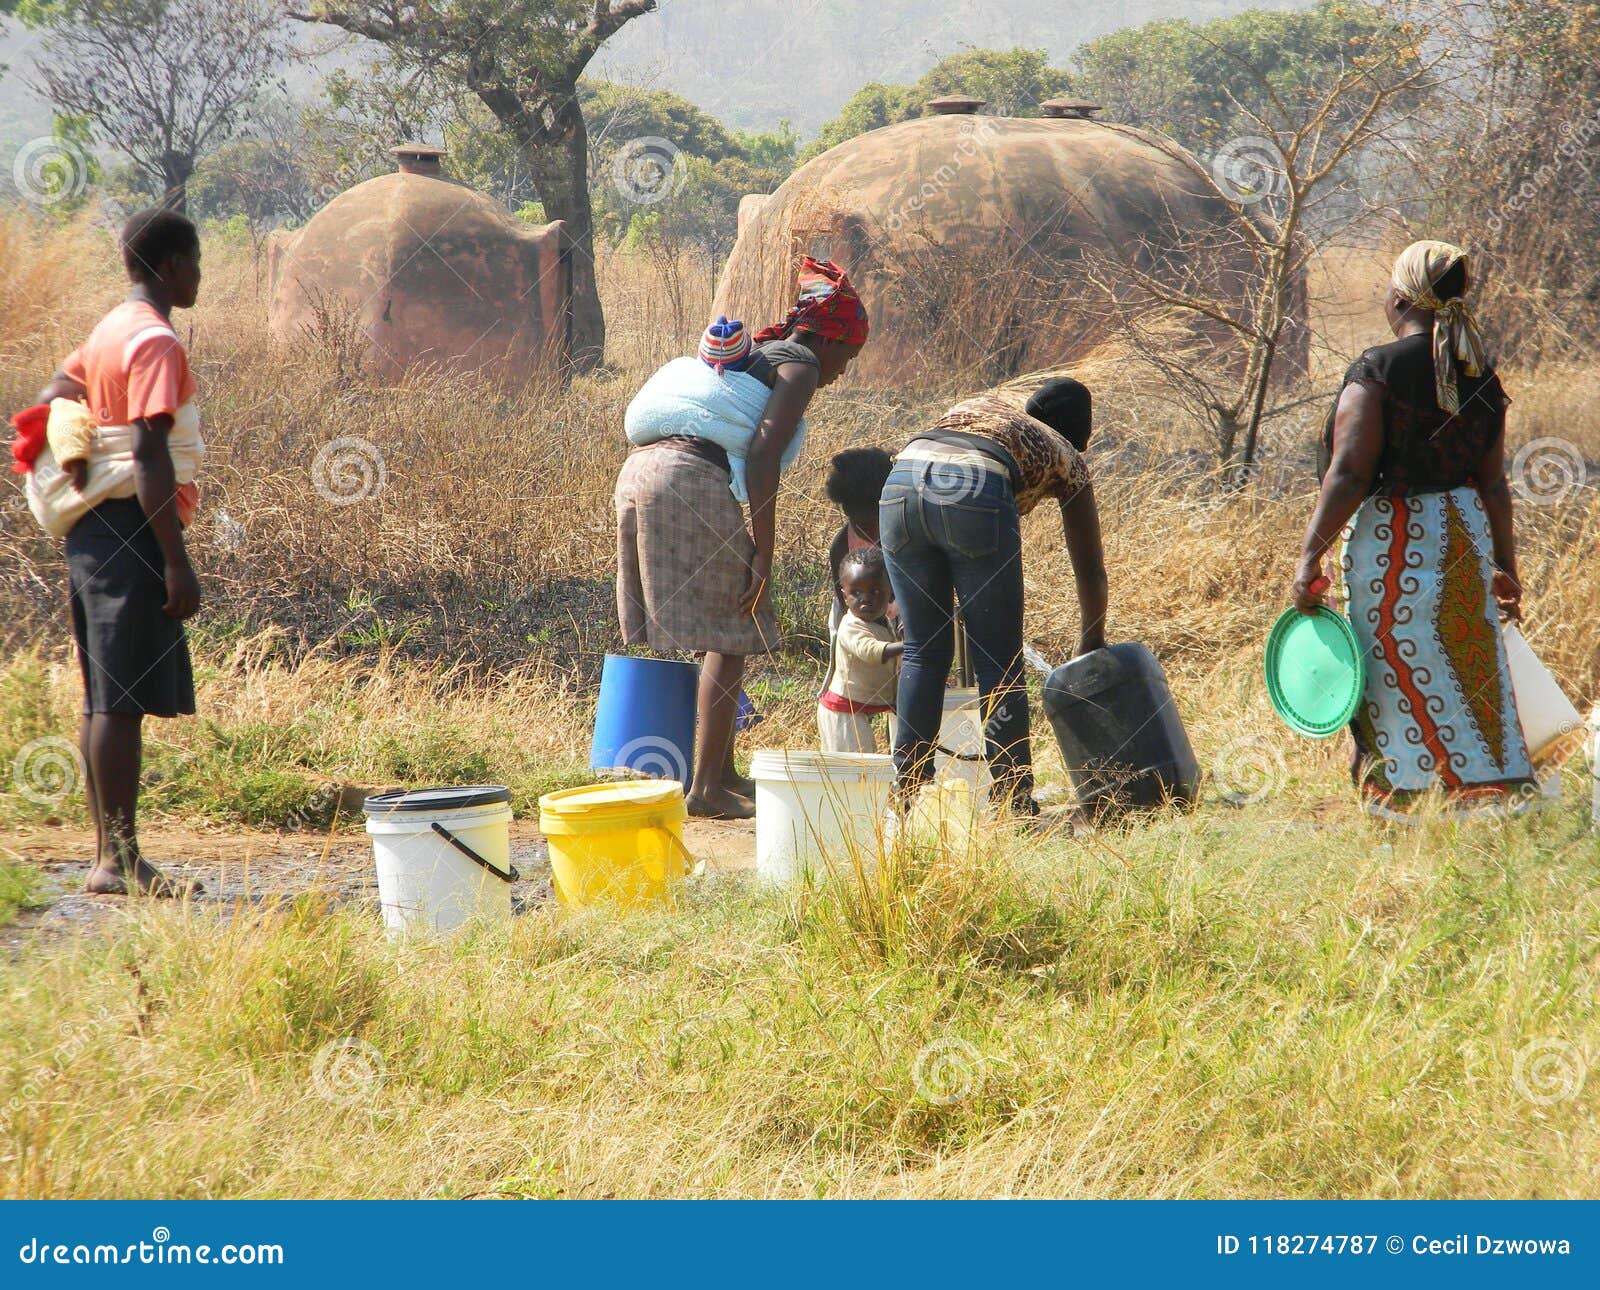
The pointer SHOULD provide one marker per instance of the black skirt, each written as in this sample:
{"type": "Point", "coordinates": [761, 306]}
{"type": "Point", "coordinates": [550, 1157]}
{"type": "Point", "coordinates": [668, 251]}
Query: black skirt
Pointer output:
{"type": "Point", "coordinates": [135, 659]}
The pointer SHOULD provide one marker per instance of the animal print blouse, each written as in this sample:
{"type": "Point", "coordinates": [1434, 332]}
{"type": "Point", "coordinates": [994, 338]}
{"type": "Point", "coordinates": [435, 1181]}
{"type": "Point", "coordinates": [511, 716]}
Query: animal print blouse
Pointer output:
{"type": "Point", "coordinates": [1047, 465]}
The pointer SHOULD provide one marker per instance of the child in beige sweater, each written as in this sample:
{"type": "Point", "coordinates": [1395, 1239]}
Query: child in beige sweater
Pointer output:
{"type": "Point", "coordinates": [866, 657]}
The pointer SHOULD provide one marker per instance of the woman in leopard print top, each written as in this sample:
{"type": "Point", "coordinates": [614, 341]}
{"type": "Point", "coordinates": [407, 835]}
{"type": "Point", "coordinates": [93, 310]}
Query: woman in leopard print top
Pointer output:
{"type": "Point", "coordinates": [948, 519]}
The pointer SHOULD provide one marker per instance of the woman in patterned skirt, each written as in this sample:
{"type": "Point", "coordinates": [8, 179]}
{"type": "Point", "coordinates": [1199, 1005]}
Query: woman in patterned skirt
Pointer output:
{"type": "Point", "coordinates": [1415, 453]}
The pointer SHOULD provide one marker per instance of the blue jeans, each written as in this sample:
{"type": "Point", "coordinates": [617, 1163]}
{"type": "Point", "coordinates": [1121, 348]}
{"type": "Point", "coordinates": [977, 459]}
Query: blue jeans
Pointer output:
{"type": "Point", "coordinates": [949, 531]}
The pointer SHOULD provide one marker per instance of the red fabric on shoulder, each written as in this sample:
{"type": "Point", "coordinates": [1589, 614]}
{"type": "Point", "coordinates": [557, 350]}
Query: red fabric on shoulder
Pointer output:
{"type": "Point", "coordinates": [31, 425]}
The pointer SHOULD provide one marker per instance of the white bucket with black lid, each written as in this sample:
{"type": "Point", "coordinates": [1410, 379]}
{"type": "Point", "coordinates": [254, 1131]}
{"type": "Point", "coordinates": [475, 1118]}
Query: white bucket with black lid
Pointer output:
{"type": "Point", "coordinates": [443, 856]}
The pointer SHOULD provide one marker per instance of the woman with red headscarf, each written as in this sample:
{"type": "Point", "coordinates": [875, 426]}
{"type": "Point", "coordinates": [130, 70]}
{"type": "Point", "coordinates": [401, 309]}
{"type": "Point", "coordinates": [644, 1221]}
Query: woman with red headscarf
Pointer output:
{"type": "Point", "coordinates": [691, 575]}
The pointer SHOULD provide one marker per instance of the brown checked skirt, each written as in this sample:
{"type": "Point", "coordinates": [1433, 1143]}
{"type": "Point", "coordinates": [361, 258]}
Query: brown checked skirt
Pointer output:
{"type": "Point", "coordinates": [684, 556]}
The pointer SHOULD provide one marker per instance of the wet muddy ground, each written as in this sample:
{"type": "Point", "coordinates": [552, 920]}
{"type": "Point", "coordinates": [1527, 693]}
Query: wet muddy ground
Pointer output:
{"type": "Point", "coordinates": [246, 869]}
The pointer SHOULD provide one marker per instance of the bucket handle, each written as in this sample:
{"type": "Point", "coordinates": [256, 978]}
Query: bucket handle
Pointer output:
{"type": "Point", "coordinates": [674, 842]}
{"type": "Point", "coordinates": [472, 855]}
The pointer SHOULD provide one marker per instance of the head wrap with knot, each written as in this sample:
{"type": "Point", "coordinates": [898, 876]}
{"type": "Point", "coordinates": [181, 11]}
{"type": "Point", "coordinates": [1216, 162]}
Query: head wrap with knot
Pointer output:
{"type": "Point", "coordinates": [1456, 338]}
{"type": "Point", "coordinates": [828, 307]}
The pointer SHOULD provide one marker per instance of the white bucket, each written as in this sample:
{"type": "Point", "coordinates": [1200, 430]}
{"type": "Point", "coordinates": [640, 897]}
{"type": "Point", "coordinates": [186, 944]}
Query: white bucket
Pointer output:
{"type": "Point", "coordinates": [961, 732]}
{"type": "Point", "coordinates": [811, 804]}
{"type": "Point", "coordinates": [944, 816]}
{"type": "Point", "coordinates": [443, 857]}
{"type": "Point", "coordinates": [1551, 725]}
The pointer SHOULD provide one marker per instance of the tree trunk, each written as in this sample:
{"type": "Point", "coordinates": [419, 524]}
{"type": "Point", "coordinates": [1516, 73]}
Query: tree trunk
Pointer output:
{"type": "Point", "coordinates": [1227, 433]}
{"type": "Point", "coordinates": [176, 167]}
{"type": "Point", "coordinates": [560, 168]}
{"type": "Point", "coordinates": [1258, 406]}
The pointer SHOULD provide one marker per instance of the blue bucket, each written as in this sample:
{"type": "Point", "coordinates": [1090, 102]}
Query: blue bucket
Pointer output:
{"type": "Point", "coordinates": [644, 721]}
{"type": "Point", "coordinates": [746, 718]}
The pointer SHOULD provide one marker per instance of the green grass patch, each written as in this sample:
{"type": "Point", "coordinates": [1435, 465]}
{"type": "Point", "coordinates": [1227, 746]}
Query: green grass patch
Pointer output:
{"type": "Point", "coordinates": [1220, 1004]}
{"type": "Point", "coordinates": [20, 888]}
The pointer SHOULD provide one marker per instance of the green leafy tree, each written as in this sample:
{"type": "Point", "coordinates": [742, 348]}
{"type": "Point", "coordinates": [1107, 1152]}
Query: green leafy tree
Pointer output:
{"type": "Point", "coordinates": [701, 210]}
{"type": "Point", "coordinates": [522, 60]}
{"type": "Point", "coordinates": [1201, 82]}
{"type": "Point", "coordinates": [162, 81]}
{"type": "Point", "coordinates": [666, 175]}
{"type": "Point", "coordinates": [1010, 82]}
{"type": "Point", "coordinates": [617, 114]}
{"type": "Point", "coordinates": [770, 149]}
{"type": "Point", "coordinates": [872, 107]}
{"type": "Point", "coordinates": [59, 172]}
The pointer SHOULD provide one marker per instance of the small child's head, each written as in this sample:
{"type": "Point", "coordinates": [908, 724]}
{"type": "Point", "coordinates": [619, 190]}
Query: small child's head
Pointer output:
{"type": "Point", "coordinates": [726, 346]}
{"type": "Point", "coordinates": [855, 483]}
{"type": "Point", "coordinates": [864, 580]}
{"type": "Point", "coordinates": [1066, 407]}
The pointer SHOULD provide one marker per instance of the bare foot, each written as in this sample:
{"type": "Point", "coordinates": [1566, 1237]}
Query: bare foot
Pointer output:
{"type": "Point", "coordinates": [742, 786]}
{"type": "Point", "coordinates": [720, 804]}
{"type": "Point", "coordinates": [147, 880]}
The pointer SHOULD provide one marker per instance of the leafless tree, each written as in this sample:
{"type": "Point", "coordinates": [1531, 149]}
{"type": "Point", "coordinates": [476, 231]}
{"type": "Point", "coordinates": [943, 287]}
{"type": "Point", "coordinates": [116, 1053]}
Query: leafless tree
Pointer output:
{"type": "Point", "coordinates": [1214, 309]}
{"type": "Point", "coordinates": [160, 80]}
{"type": "Point", "coordinates": [1507, 163]}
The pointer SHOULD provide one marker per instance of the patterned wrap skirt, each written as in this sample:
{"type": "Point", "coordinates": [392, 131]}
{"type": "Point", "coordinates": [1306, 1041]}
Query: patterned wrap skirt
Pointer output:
{"type": "Point", "coordinates": [683, 557]}
{"type": "Point", "coordinates": [1438, 712]}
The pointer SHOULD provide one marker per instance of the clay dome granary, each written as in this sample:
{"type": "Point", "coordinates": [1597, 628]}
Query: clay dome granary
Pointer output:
{"type": "Point", "coordinates": [992, 246]}
{"type": "Point", "coordinates": [431, 273]}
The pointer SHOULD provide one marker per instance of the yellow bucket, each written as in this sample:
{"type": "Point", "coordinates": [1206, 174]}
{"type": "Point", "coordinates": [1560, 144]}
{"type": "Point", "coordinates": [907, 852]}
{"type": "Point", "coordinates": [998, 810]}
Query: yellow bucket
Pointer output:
{"type": "Point", "coordinates": [616, 844]}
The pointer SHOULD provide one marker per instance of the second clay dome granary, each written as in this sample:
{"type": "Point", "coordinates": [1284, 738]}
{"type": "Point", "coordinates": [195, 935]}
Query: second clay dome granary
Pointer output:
{"type": "Point", "coordinates": [431, 274]}
{"type": "Point", "coordinates": [989, 243]}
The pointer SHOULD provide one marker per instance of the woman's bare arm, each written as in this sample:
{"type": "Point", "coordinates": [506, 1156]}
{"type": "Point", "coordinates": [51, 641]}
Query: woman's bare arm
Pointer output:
{"type": "Point", "coordinates": [1357, 446]}
{"type": "Point", "coordinates": [156, 483]}
{"type": "Point", "coordinates": [793, 386]}
{"type": "Point", "coordinates": [1495, 490]}
{"type": "Point", "coordinates": [1080, 524]}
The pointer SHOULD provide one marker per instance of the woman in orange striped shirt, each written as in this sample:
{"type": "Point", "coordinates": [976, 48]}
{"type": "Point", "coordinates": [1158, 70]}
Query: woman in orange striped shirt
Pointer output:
{"type": "Point", "coordinates": [132, 584]}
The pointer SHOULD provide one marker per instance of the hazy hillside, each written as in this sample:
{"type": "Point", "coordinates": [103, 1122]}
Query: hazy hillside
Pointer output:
{"type": "Point", "coordinates": [754, 62]}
